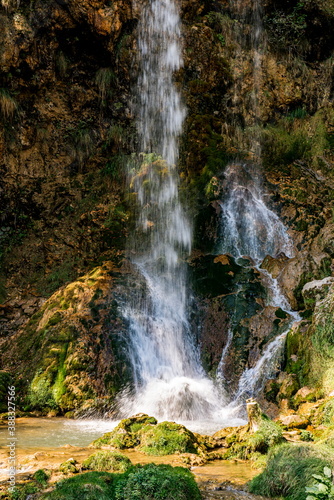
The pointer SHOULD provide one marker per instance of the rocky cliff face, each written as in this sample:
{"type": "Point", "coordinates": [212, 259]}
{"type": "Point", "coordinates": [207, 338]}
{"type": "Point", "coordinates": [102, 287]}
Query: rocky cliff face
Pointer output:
{"type": "Point", "coordinates": [66, 130]}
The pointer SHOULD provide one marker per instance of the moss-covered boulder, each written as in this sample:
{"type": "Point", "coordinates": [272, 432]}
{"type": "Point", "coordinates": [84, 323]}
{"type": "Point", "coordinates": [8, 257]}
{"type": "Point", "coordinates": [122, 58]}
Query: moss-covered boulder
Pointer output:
{"type": "Point", "coordinates": [107, 461]}
{"type": "Point", "coordinates": [249, 441]}
{"type": "Point", "coordinates": [69, 467]}
{"type": "Point", "coordinates": [152, 438]}
{"type": "Point", "coordinates": [65, 355]}
{"type": "Point", "coordinates": [167, 438]}
{"type": "Point", "coordinates": [126, 434]}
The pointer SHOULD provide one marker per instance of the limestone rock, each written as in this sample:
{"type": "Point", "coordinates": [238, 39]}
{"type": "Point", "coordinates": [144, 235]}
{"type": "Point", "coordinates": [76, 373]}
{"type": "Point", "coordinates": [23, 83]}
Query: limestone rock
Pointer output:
{"type": "Point", "coordinates": [294, 421]}
{"type": "Point", "coordinates": [305, 394]}
{"type": "Point", "coordinates": [315, 291]}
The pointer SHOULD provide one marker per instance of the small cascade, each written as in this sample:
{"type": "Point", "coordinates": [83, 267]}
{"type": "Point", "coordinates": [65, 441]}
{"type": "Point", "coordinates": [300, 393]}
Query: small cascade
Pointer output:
{"type": "Point", "coordinates": [249, 228]}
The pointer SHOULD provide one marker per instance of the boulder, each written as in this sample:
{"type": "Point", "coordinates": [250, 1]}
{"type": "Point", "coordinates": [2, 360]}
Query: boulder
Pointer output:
{"type": "Point", "coordinates": [294, 422]}
{"type": "Point", "coordinates": [304, 395]}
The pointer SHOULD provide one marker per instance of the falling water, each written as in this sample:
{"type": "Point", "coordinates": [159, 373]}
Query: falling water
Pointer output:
{"type": "Point", "coordinates": [249, 228]}
{"type": "Point", "coordinates": [169, 381]}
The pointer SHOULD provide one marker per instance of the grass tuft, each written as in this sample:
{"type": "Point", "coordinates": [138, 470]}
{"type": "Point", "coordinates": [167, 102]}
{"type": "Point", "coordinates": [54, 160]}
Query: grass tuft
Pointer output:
{"type": "Point", "coordinates": [290, 469]}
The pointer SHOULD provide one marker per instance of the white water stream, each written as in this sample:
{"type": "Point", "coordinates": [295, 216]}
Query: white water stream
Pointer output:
{"type": "Point", "coordinates": [249, 228]}
{"type": "Point", "coordinates": [169, 381]}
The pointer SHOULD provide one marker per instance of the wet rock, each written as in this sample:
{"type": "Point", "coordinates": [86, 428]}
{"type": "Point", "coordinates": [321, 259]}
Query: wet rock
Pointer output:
{"type": "Point", "coordinates": [274, 265]}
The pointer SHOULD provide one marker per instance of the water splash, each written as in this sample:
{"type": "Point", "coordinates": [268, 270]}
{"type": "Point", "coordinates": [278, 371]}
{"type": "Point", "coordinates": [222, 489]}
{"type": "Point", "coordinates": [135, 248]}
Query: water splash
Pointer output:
{"type": "Point", "coordinates": [169, 381]}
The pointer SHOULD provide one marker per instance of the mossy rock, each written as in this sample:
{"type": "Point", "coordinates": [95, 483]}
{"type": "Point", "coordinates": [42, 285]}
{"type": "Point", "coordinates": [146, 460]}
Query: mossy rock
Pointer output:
{"type": "Point", "coordinates": [306, 395]}
{"type": "Point", "coordinates": [69, 467]}
{"type": "Point", "coordinates": [125, 435]}
{"type": "Point", "coordinates": [240, 442]}
{"type": "Point", "coordinates": [167, 438]}
{"type": "Point", "coordinates": [107, 461]}
{"type": "Point", "coordinates": [144, 433]}
{"type": "Point", "coordinates": [55, 354]}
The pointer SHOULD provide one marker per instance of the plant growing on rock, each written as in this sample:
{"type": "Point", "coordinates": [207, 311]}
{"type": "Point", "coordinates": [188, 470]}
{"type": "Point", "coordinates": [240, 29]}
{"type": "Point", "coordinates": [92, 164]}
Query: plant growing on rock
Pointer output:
{"type": "Point", "coordinates": [104, 79]}
{"type": "Point", "coordinates": [8, 105]}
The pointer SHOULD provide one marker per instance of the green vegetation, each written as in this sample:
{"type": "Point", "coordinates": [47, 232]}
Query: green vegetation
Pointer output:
{"type": "Point", "coordinates": [41, 476]}
{"type": "Point", "coordinates": [166, 438]}
{"type": "Point", "coordinates": [29, 489]}
{"type": "Point", "coordinates": [253, 446]}
{"type": "Point", "coordinates": [40, 394]}
{"type": "Point", "coordinates": [306, 436]}
{"type": "Point", "coordinates": [152, 482]}
{"type": "Point", "coordinates": [288, 28]}
{"type": "Point", "coordinates": [69, 467]}
{"type": "Point", "coordinates": [289, 469]}
{"type": "Point", "coordinates": [148, 482]}
{"type": "Point", "coordinates": [88, 486]}
{"type": "Point", "coordinates": [8, 105]}
{"type": "Point", "coordinates": [323, 487]}
{"type": "Point", "coordinates": [107, 461]}
{"type": "Point", "coordinates": [269, 434]}
{"type": "Point", "coordinates": [152, 438]}
{"type": "Point", "coordinates": [104, 79]}
{"type": "Point", "coordinates": [125, 435]}
{"type": "Point", "coordinates": [298, 137]}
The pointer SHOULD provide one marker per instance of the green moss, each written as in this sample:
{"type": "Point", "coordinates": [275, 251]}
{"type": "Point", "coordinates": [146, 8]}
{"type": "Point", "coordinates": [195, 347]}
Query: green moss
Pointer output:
{"type": "Point", "coordinates": [107, 461]}
{"type": "Point", "coordinates": [58, 388]}
{"type": "Point", "coordinates": [40, 394]}
{"type": "Point", "coordinates": [41, 476]}
{"type": "Point", "coordinates": [87, 486]}
{"type": "Point", "coordinates": [126, 434]}
{"type": "Point", "coordinates": [146, 482]}
{"type": "Point", "coordinates": [69, 467]}
{"type": "Point", "coordinates": [166, 438]}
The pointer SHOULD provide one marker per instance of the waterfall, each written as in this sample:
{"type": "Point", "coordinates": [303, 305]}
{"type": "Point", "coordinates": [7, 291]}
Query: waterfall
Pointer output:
{"type": "Point", "coordinates": [249, 228]}
{"type": "Point", "coordinates": [169, 381]}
